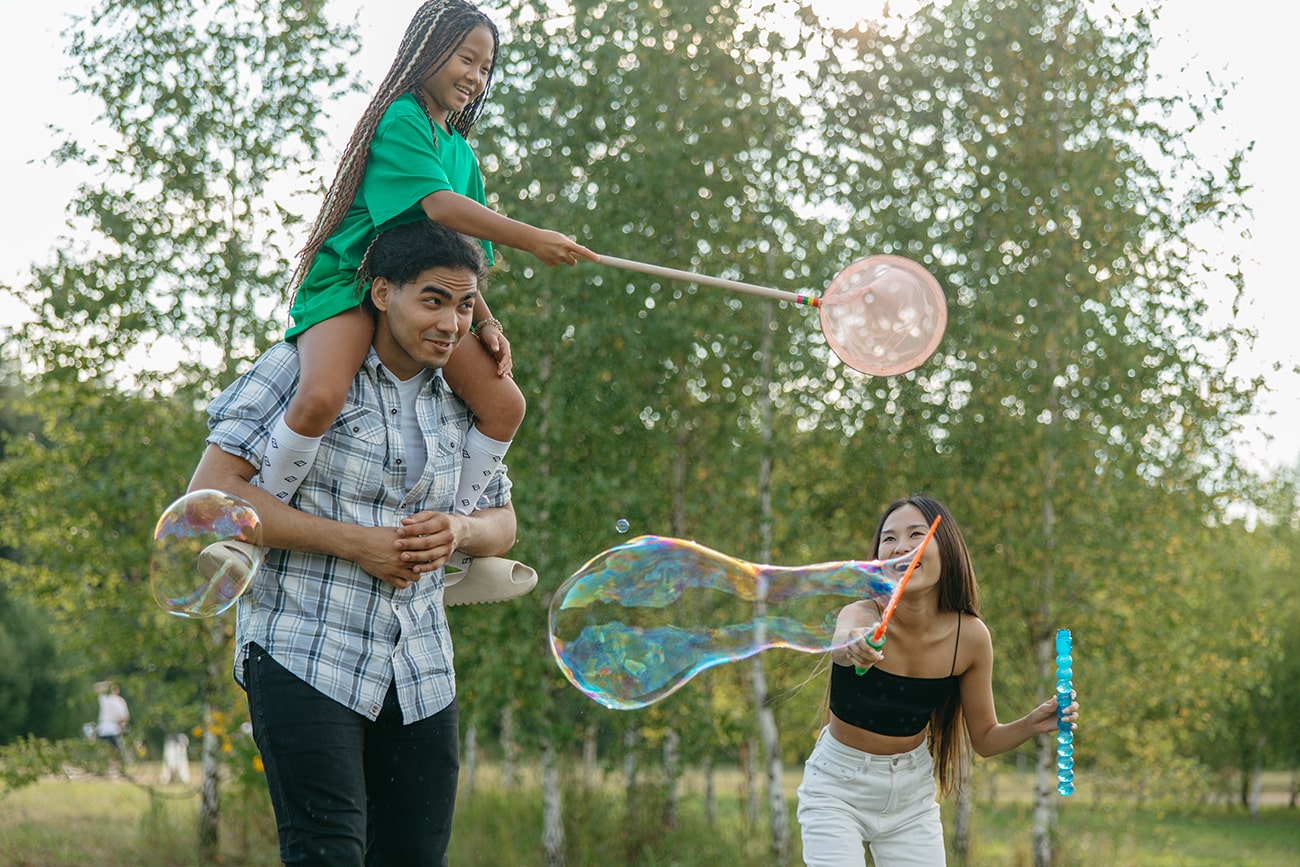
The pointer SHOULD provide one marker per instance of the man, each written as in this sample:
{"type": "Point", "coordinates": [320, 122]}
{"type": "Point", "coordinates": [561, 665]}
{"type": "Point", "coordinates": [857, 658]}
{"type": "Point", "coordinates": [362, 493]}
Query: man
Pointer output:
{"type": "Point", "coordinates": [342, 641]}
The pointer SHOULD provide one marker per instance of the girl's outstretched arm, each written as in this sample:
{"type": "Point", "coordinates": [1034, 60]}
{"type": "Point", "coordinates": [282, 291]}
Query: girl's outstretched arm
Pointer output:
{"type": "Point", "coordinates": [470, 218]}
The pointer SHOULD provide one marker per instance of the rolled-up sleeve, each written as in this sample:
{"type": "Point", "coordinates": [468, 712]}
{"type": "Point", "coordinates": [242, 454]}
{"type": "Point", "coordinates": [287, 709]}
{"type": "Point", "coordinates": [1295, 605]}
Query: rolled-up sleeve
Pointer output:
{"type": "Point", "coordinates": [239, 419]}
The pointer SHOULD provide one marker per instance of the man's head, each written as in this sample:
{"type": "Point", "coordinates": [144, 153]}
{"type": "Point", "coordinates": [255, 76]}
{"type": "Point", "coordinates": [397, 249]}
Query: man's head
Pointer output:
{"type": "Point", "coordinates": [424, 280]}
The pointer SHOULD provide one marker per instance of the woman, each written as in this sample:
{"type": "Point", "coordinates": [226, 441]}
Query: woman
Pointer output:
{"type": "Point", "coordinates": [919, 704]}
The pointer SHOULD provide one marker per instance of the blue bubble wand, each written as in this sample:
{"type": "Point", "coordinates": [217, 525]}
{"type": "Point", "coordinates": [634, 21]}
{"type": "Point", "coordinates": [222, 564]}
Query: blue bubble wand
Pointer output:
{"type": "Point", "coordinates": [1064, 697]}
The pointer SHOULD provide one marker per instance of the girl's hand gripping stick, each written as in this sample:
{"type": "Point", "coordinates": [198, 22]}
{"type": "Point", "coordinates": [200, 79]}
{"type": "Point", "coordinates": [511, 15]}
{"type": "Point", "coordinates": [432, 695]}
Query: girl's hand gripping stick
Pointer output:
{"type": "Point", "coordinates": [877, 637]}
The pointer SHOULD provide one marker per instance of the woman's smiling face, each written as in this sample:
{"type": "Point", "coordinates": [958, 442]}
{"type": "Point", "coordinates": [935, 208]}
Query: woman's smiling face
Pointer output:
{"type": "Point", "coordinates": [900, 534]}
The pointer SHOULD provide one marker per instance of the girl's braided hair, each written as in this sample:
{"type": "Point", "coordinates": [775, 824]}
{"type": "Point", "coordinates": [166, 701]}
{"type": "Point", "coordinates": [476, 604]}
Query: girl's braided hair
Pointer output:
{"type": "Point", "coordinates": [435, 32]}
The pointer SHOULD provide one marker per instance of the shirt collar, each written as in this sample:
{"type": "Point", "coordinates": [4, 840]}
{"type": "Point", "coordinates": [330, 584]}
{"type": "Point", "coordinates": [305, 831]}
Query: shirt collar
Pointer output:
{"type": "Point", "coordinates": [374, 365]}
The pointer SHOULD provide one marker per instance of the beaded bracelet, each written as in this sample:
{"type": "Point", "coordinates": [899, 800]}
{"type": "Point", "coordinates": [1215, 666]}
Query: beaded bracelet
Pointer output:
{"type": "Point", "coordinates": [490, 321]}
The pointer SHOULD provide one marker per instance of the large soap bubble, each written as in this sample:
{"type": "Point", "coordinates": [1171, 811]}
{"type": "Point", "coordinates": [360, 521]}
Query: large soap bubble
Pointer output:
{"type": "Point", "coordinates": [207, 547]}
{"type": "Point", "coordinates": [640, 619]}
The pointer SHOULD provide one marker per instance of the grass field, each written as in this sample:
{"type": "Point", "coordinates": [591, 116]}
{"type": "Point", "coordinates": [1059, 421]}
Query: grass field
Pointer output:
{"type": "Point", "coordinates": [117, 823]}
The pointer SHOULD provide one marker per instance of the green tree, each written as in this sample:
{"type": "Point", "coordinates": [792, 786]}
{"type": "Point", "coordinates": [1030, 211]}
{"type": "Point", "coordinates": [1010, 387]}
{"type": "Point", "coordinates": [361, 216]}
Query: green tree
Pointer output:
{"type": "Point", "coordinates": [1019, 148]}
{"type": "Point", "coordinates": [209, 127]}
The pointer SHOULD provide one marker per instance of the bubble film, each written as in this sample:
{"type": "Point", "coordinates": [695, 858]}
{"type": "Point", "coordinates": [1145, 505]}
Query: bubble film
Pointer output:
{"type": "Point", "coordinates": [206, 549]}
{"type": "Point", "coordinates": [642, 618]}
{"type": "Point", "coordinates": [883, 315]}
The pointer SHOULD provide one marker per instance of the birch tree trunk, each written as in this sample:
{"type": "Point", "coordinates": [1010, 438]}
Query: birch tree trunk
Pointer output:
{"type": "Point", "coordinates": [552, 808]}
{"type": "Point", "coordinates": [509, 747]}
{"type": "Point", "coordinates": [469, 763]}
{"type": "Point", "coordinates": [749, 780]}
{"type": "Point", "coordinates": [710, 794]}
{"type": "Point", "coordinates": [629, 768]}
{"type": "Point", "coordinates": [210, 787]}
{"type": "Point", "coordinates": [672, 777]}
{"type": "Point", "coordinates": [209, 791]}
{"type": "Point", "coordinates": [1257, 778]}
{"type": "Point", "coordinates": [961, 823]}
{"type": "Point", "coordinates": [1044, 785]}
{"type": "Point", "coordinates": [778, 816]}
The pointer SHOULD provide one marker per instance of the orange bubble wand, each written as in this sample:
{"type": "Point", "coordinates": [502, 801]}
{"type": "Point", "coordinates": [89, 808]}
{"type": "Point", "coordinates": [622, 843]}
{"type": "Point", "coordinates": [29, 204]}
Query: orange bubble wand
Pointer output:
{"type": "Point", "coordinates": [877, 637]}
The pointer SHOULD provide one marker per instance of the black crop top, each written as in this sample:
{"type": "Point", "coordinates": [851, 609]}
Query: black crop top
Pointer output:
{"type": "Point", "coordinates": [889, 704]}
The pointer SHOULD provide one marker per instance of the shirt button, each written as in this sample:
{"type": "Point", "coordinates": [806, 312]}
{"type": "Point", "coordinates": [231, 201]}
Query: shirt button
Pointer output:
{"type": "Point", "coordinates": [392, 412]}
{"type": "Point", "coordinates": [374, 709]}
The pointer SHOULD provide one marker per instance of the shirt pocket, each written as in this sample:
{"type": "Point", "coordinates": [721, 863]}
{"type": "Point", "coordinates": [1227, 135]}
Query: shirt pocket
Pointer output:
{"type": "Point", "coordinates": [443, 470]}
{"type": "Point", "coordinates": [354, 450]}
{"type": "Point", "coordinates": [361, 424]}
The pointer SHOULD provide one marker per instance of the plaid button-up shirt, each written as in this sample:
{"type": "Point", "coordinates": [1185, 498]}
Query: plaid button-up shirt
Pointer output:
{"type": "Point", "coordinates": [325, 619]}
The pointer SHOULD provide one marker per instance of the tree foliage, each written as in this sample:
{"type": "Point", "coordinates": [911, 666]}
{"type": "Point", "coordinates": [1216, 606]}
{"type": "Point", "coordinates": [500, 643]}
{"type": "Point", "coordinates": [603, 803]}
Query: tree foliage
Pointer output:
{"type": "Point", "coordinates": [209, 127]}
{"type": "Point", "coordinates": [1072, 418]}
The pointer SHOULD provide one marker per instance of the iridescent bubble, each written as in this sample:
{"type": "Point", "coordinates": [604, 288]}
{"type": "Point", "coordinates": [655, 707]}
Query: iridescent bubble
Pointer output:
{"type": "Point", "coordinates": [640, 619]}
{"type": "Point", "coordinates": [206, 548]}
{"type": "Point", "coordinates": [622, 525]}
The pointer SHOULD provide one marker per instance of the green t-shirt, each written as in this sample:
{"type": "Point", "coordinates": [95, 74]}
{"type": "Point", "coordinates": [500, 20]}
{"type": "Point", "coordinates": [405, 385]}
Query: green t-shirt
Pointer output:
{"type": "Point", "coordinates": [403, 168]}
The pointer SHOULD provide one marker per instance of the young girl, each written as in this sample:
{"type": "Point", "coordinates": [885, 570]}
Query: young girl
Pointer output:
{"type": "Point", "coordinates": [922, 702]}
{"type": "Point", "coordinates": [408, 160]}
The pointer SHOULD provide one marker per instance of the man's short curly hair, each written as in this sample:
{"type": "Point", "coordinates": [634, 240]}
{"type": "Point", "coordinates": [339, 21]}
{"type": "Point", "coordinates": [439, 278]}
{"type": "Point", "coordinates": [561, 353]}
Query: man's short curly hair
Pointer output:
{"type": "Point", "coordinates": [404, 252]}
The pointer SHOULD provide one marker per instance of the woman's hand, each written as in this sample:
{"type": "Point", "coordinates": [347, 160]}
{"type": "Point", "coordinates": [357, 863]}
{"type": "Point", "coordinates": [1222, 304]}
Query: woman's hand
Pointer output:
{"type": "Point", "coordinates": [858, 652]}
{"type": "Point", "coordinates": [1042, 719]}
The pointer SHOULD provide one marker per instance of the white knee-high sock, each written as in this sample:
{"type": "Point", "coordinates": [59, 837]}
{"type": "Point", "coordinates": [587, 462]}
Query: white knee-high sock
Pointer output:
{"type": "Point", "coordinates": [479, 461]}
{"type": "Point", "coordinates": [289, 456]}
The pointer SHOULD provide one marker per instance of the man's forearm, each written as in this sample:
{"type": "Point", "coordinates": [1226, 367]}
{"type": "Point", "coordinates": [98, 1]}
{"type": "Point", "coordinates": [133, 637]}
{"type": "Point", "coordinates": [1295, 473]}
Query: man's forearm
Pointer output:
{"type": "Point", "coordinates": [486, 533]}
{"type": "Point", "coordinates": [282, 526]}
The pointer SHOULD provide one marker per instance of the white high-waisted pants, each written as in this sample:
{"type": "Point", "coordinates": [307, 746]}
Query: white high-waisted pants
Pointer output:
{"type": "Point", "coordinates": [848, 797]}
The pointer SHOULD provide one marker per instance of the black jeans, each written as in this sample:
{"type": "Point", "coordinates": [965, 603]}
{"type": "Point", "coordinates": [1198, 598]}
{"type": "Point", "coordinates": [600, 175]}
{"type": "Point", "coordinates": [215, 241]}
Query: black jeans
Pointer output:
{"type": "Point", "coordinates": [348, 791]}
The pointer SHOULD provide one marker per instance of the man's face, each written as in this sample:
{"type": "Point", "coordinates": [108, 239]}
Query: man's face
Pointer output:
{"type": "Point", "coordinates": [421, 321]}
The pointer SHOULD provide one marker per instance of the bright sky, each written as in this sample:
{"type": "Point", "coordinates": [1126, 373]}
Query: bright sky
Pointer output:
{"type": "Point", "coordinates": [1251, 44]}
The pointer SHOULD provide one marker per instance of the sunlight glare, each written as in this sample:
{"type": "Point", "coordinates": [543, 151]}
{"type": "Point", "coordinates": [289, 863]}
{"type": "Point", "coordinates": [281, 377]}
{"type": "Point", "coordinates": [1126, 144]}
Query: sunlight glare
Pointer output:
{"type": "Point", "coordinates": [846, 13]}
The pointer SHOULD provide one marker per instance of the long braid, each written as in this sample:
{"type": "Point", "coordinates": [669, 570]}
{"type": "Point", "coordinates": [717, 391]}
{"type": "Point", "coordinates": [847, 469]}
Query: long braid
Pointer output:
{"type": "Point", "coordinates": [435, 32]}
